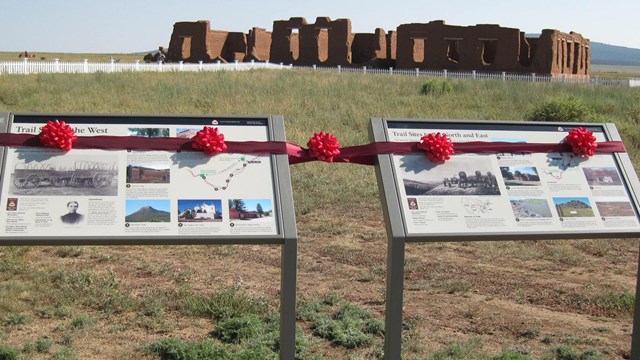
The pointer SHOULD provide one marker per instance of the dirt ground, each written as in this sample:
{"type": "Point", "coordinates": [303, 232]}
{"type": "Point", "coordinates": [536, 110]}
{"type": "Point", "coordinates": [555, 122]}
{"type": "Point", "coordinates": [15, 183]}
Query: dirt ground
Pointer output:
{"type": "Point", "coordinates": [529, 296]}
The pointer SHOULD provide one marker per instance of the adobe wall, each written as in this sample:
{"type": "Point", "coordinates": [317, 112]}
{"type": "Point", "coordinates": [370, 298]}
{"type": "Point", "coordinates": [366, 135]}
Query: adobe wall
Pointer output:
{"type": "Point", "coordinates": [433, 45]}
{"type": "Point", "coordinates": [323, 43]}
{"type": "Point", "coordinates": [258, 45]}
{"type": "Point", "coordinates": [189, 41]}
{"type": "Point", "coordinates": [370, 49]}
{"type": "Point", "coordinates": [285, 40]}
{"type": "Point", "coordinates": [436, 45]}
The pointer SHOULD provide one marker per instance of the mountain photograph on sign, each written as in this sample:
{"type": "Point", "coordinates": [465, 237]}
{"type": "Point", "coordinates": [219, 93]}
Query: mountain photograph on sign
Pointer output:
{"type": "Point", "coordinates": [573, 207]}
{"type": "Point", "coordinates": [148, 211]}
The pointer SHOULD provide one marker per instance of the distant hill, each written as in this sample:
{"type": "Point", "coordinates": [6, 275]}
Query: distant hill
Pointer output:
{"type": "Point", "coordinates": [605, 54]}
{"type": "Point", "coordinates": [148, 214]}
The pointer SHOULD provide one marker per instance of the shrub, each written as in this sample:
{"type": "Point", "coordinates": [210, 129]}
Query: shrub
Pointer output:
{"type": "Point", "coordinates": [511, 355]}
{"type": "Point", "coordinates": [224, 304]}
{"type": "Point", "coordinates": [42, 345]}
{"type": "Point", "coordinates": [176, 349]}
{"type": "Point", "coordinates": [591, 354]}
{"type": "Point", "coordinates": [565, 353]}
{"type": "Point", "coordinates": [350, 327]}
{"type": "Point", "coordinates": [436, 86]}
{"type": "Point", "coordinates": [7, 353]}
{"type": "Point", "coordinates": [561, 108]}
{"type": "Point", "coordinates": [235, 330]}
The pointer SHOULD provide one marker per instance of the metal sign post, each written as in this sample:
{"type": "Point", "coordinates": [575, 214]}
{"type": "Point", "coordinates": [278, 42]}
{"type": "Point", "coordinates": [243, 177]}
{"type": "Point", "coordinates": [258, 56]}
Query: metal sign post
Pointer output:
{"type": "Point", "coordinates": [52, 198]}
{"type": "Point", "coordinates": [481, 196]}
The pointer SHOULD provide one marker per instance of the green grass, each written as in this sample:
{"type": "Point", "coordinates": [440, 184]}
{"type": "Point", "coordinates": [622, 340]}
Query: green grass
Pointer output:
{"type": "Point", "coordinates": [85, 294]}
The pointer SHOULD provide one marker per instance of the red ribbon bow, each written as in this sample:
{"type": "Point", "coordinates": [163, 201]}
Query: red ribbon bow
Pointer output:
{"type": "Point", "coordinates": [58, 134]}
{"type": "Point", "coordinates": [324, 146]}
{"type": "Point", "coordinates": [582, 142]}
{"type": "Point", "coordinates": [209, 141]}
{"type": "Point", "coordinates": [437, 146]}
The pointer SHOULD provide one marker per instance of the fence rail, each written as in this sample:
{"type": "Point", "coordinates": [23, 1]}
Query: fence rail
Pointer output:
{"type": "Point", "coordinates": [39, 67]}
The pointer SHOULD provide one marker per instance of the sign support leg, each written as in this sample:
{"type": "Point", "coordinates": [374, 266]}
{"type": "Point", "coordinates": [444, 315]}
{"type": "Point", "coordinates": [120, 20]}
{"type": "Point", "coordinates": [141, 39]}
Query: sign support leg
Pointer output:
{"type": "Point", "coordinates": [288, 300]}
{"type": "Point", "coordinates": [635, 335]}
{"type": "Point", "coordinates": [394, 299]}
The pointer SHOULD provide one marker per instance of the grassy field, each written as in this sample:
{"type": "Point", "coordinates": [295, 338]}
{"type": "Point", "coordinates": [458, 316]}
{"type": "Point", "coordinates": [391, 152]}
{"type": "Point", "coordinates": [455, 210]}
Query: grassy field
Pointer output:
{"type": "Point", "coordinates": [607, 71]}
{"type": "Point", "coordinates": [470, 300]}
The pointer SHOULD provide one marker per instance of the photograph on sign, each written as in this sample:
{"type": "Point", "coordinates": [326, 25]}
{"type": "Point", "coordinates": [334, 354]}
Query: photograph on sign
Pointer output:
{"type": "Point", "coordinates": [508, 192]}
{"type": "Point", "coordinates": [93, 192]}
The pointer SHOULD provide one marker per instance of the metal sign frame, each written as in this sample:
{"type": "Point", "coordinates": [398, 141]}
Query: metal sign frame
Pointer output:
{"type": "Point", "coordinates": [397, 229]}
{"type": "Point", "coordinates": [283, 208]}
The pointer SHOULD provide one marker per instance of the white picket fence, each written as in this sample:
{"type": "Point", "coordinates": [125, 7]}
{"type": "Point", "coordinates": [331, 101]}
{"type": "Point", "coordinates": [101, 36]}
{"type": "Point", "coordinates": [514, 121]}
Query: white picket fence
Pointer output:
{"type": "Point", "coordinates": [56, 66]}
{"type": "Point", "coordinates": [26, 66]}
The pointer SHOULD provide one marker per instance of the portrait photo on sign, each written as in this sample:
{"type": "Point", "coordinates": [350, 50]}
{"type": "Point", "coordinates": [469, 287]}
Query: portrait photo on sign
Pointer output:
{"type": "Point", "coordinates": [66, 175]}
{"type": "Point", "coordinates": [200, 210]}
{"type": "Point", "coordinates": [460, 176]}
{"type": "Point", "coordinates": [73, 216]}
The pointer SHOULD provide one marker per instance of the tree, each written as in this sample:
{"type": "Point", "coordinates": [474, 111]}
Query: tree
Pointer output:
{"type": "Point", "coordinates": [150, 132]}
{"type": "Point", "coordinates": [238, 204]}
{"type": "Point", "coordinates": [259, 209]}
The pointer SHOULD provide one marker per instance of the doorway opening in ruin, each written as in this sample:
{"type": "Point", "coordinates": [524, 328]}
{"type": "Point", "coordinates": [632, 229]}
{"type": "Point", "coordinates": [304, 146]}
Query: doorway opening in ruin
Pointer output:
{"type": "Point", "coordinates": [587, 60]}
{"type": "Point", "coordinates": [576, 58]}
{"type": "Point", "coordinates": [323, 44]}
{"type": "Point", "coordinates": [489, 50]}
{"type": "Point", "coordinates": [294, 43]}
{"type": "Point", "coordinates": [568, 54]}
{"type": "Point", "coordinates": [185, 47]}
{"type": "Point", "coordinates": [453, 51]}
{"type": "Point", "coordinates": [418, 50]}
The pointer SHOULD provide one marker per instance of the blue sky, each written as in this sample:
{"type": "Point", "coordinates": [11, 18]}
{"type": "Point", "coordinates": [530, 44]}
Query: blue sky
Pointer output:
{"type": "Point", "coordinates": [124, 26]}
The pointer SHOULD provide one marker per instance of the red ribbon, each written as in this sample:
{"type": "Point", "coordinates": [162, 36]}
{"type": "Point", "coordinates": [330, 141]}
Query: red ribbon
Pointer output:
{"type": "Point", "coordinates": [360, 154]}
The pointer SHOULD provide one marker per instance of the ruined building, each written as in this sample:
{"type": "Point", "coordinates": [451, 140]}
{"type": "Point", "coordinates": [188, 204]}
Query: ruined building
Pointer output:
{"type": "Point", "coordinates": [490, 48]}
{"type": "Point", "coordinates": [434, 45]}
{"type": "Point", "coordinates": [195, 41]}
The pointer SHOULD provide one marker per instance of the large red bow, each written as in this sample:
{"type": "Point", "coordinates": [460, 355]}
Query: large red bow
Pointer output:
{"type": "Point", "coordinates": [58, 134]}
{"type": "Point", "coordinates": [209, 141]}
{"type": "Point", "coordinates": [582, 142]}
{"type": "Point", "coordinates": [438, 147]}
{"type": "Point", "coordinates": [324, 146]}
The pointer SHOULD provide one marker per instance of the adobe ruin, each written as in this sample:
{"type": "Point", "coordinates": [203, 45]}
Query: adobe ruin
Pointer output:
{"type": "Point", "coordinates": [436, 45]}
{"type": "Point", "coordinates": [430, 46]}
{"type": "Point", "coordinates": [195, 41]}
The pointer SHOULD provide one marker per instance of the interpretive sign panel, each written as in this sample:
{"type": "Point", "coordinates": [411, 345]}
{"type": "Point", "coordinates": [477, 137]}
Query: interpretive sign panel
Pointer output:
{"type": "Point", "coordinates": [498, 195]}
{"type": "Point", "coordinates": [92, 195]}
{"type": "Point", "coordinates": [510, 195]}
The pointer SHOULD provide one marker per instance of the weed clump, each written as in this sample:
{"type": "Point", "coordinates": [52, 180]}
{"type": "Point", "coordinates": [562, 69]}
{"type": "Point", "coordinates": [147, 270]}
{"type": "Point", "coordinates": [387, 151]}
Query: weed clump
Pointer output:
{"type": "Point", "coordinates": [8, 353]}
{"type": "Point", "coordinates": [436, 86]}
{"type": "Point", "coordinates": [176, 349]}
{"type": "Point", "coordinates": [560, 108]}
{"type": "Point", "coordinates": [350, 326]}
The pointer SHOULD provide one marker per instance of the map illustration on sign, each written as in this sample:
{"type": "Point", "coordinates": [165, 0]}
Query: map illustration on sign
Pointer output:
{"type": "Point", "coordinates": [220, 173]}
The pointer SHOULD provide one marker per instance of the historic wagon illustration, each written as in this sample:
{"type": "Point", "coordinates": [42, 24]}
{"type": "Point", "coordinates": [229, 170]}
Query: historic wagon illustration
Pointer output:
{"type": "Point", "coordinates": [83, 174]}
